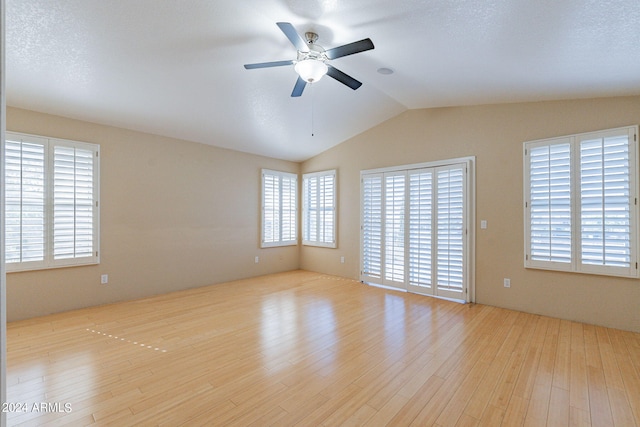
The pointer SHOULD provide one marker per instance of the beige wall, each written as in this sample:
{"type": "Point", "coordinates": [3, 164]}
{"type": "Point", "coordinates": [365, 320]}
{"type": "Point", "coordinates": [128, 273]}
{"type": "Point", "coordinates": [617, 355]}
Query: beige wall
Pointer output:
{"type": "Point", "coordinates": [494, 134]}
{"type": "Point", "coordinates": [174, 215]}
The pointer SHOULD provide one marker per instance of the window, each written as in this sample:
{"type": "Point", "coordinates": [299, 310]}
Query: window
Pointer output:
{"type": "Point", "coordinates": [319, 209]}
{"type": "Point", "coordinates": [415, 223]}
{"type": "Point", "coordinates": [581, 211]}
{"type": "Point", "coordinates": [279, 208]}
{"type": "Point", "coordinates": [51, 202]}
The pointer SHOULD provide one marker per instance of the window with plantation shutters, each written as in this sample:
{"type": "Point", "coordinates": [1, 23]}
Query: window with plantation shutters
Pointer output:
{"type": "Point", "coordinates": [319, 209]}
{"type": "Point", "coordinates": [51, 202]}
{"type": "Point", "coordinates": [279, 208]}
{"type": "Point", "coordinates": [414, 228]}
{"type": "Point", "coordinates": [581, 211]}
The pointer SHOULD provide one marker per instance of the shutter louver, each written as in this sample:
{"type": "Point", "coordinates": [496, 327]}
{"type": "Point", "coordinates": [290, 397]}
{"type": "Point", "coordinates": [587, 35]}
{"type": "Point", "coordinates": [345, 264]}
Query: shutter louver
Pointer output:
{"type": "Point", "coordinates": [372, 226]}
{"type": "Point", "coordinates": [605, 205]}
{"type": "Point", "coordinates": [420, 228]}
{"type": "Point", "coordinates": [450, 229]}
{"type": "Point", "coordinates": [550, 203]}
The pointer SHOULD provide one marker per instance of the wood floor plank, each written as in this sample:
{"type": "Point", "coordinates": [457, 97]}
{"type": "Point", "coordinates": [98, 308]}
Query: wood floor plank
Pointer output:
{"type": "Point", "coordinates": [620, 409]}
{"type": "Point", "coordinates": [579, 387]}
{"type": "Point", "coordinates": [598, 396]}
{"type": "Point", "coordinates": [385, 414]}
{"type": "Point", "coordinates": [630, 376]}
{"type": "Point", "coordinates": [303, 348]}
{"type": "Point", "coordinates": [612, 375]}
{"type": "Point", "coordinates": [562, 366]}
{"type": "Point", "coordinates": [494, 416]}
{"type": "Point", "coordinates": [526, 378]}
{"type": "Point", "coordinates": [515, 411]}
{"type": "Point", "coordinates": [558, 407]}
{"type": "Point", "coordinates": [503, 392]}
{"type": "Point", "coordinates": [507, 338]}
{"type": "Point", "coordinates": [418, 401]}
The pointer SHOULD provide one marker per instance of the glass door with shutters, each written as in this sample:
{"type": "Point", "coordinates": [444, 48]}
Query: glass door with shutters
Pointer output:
{"type": "Point", "coordinates": [415, 229]}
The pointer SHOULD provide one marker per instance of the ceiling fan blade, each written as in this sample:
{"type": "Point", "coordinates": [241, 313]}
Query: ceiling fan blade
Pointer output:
{"type": "Point", "coordinates": [299, 87]}
{"type": "Point", "coordinates": [343, 78]}
{"type": "Point", "coordinates": [293, 36]}
{"type": "Point", "coordinates": [268, 64]}
{"type": "Point", "coordinates": [350, 49]}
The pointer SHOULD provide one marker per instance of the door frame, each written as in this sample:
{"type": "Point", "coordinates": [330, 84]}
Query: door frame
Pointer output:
{"type": "Point", "coordinates": [470, 229]}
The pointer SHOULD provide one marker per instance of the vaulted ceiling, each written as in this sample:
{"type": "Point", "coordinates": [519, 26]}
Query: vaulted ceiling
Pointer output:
{"type": "Point", "coordinates": [175, 67]}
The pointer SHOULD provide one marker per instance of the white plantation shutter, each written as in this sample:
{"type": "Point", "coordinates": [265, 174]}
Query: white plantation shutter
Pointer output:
{"type": "Point", "coordinates": [371, 233]}
{"type": "Point", "coordinates": [73, 202]}
{"type": "Point", "coordinates": [550, 203]}
{"type": "Point", "coordinates": [450, 228]}
{"type": "Point", "coordinates": [51, 199]}
{"type": "Point", "coordinates": [279, 208]}
{"type": "Point", "coordinates": [319, 209]}
{"type": "Point", "coordinates": [270, 208]}
{"type": "Point", "coordinates": [309, 209]}
{"type": "Point", "coordinates": [394, 227]}
{"type": "Point", "coordinates": [581, 213]}
{"type": "Point", "coordinates": [289, 208]}
{"type": "Point", "coordinates": [25, 196]}
{"type": "Point", "coordinates": [605, 207]}
{"type": "Point", "coordinates": [420, 228]}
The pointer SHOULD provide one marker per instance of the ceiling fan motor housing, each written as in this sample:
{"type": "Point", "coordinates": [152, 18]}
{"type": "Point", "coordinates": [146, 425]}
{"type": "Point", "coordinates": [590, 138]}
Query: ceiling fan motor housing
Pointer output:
{"type": "Point", "coordinates": [315, 52]}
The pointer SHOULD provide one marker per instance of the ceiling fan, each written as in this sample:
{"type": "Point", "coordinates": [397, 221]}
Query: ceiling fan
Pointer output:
{"type": "Point", "coordinates": [311, 62]}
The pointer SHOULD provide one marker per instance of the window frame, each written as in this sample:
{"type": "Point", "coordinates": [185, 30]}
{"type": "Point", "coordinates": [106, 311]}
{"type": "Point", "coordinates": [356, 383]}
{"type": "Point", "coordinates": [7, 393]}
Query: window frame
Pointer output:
{"type": "Point", "coordinates": [307, 212]}
{"type": "Point", "coordinates": [576, 264]}
{"type": "Point", "coordinates": [280, 241]}
{"type": "Point", "coordinates": [49, 260]}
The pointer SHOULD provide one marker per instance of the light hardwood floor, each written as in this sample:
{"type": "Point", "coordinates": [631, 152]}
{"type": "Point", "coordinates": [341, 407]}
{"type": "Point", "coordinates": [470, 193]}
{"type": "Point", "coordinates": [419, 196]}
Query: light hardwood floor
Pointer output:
{"type": "Point", "coordinates": [304, 348]}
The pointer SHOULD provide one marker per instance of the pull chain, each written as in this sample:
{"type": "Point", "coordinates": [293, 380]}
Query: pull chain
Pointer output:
{"type": "Point", "coordinates": [312, 108]}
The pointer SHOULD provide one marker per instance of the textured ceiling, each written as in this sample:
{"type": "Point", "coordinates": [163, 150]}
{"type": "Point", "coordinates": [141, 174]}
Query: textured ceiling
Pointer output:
{"type": "Point", "coordinates": [175, 67]}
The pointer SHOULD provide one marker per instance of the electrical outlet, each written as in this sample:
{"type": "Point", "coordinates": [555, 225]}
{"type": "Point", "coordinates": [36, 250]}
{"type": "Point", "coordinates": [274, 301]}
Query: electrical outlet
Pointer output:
{"type": "Point", "coordinates": [507, 283]}
{"type": "Point", "coordinates": [257, 260]}
{"type": "Point", "coordinates": [341, 260]}
{"type": "Point", "coordinates": [483, 224]}
{"type": "Point", "coordinates": [104, 279]}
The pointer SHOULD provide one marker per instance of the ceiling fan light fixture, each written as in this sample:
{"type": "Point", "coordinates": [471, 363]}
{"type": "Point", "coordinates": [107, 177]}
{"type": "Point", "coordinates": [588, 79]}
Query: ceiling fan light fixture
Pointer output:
{"type": "Point", "coordinates": [311, 70]}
